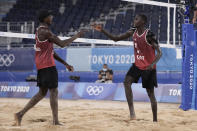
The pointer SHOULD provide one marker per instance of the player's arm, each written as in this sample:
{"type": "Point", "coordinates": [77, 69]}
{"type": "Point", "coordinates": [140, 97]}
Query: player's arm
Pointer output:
{"type": "Point", "coordinates": [153, 41]}
{"type": "Point", "coordinates": [99, 76]}
{"type": "Point", "coordinates": [114, 37]}
{"type": "Point", "coordinates": [69, 67]}
{"type": "Point", "coordinates": [62, 43]}
{"type": "Point", "coordinates": [195, 15]}
{"type": "Point", "coordinates": [110, 75]}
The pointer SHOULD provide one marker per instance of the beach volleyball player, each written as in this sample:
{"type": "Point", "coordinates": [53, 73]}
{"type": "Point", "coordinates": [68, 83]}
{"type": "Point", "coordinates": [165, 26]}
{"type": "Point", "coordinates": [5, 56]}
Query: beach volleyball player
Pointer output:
{"type": "Point", "coordinates": [145, 45]}
{"type": "Point", "coordinates": [47, 76]}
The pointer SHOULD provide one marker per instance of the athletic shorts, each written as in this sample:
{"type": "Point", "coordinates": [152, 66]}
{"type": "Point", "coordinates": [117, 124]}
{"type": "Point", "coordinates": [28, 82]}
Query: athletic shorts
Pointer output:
{"type": "Point", "coordinates": [149, 77]}
{"type": "Point", "coordinates": [47, 77]}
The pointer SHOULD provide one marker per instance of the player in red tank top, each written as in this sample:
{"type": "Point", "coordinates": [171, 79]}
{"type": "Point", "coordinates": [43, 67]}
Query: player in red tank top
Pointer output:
{"type": "Point", "coordinates": [47, 76]}
{"type": "Point", "coordinates": [144, 52]}
{"type": "Point", "coordinates": [44, 51]}
{"type": "Point", "coordinates": [145, 45]}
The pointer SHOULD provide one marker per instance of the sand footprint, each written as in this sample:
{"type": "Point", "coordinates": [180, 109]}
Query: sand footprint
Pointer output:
{"type": "Point", "coordinates": [38, 120]}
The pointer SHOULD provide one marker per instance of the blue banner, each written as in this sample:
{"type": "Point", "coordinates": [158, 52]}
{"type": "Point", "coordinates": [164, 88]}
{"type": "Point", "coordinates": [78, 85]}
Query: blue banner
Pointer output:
{"type": "Point", "coordinates": [164, 93]}
{"type": "Point", "coordinates": [21, 59]}
{"type": "Point", "coordinates": [170, 93]}
{"type": "Point", "coordinates": [18, 89]}
{"type": "Point", "coordinates": [171, 60]}
{"type": "Point", "coordinates": [139, 93]}
{"type": "Point", "coordinates": [79, 58]}
{"type": "Point", "coordinates": [119, 59]}
{"type": "Point", "coordinates": [96, 91]}
{"type": "Point", "coordinates": [63, 54]}
{"type": "Point", "coordinates": [17, 59]}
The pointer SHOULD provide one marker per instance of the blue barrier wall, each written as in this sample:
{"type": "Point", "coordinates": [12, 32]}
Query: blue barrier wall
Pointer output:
{"type": "Point", "coordinates": [118, 77]}
{"type": "Point", "coordinates": [164, 93]}
{"type": "Point", "coordinates": [17, 59]}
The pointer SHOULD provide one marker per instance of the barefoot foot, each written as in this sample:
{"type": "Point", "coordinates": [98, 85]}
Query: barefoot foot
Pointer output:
{"type": "Point", "coordinates": [132, 117]}
{"type": "Point", "coordinates": [154, 120]}
{"type": "Point", "coordinates": [18, 119]}
{"type": "Point", "coordinates": [57, 123]}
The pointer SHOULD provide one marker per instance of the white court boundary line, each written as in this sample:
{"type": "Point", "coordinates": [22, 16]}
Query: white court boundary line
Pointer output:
{"type": "Point", "coordinates": [79, 40]}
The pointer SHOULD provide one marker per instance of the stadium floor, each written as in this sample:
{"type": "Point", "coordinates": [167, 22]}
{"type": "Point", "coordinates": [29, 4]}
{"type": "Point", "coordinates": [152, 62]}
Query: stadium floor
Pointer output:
{"type": "Point", "coordinates": [88, 115]}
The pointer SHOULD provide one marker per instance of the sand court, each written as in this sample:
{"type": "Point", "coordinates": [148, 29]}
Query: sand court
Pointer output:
{"type": "Point", "coordinates": [90, 115]}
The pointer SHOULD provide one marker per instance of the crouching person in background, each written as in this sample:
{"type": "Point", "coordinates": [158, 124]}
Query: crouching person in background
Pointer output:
{"type": "Point", "coordinates": [105, 75]}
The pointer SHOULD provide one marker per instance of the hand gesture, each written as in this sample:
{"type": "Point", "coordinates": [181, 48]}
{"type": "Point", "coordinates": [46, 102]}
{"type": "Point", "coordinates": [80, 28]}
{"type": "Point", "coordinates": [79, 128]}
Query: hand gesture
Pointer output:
{"type": "Point", "coordinates": [194, 20]}
{"type": "Point", "coordinates": [97, 27]}
{"type": "Point", "coordinates": [70, 68]}
{"type": "Point", "coordinates": [150, 67]}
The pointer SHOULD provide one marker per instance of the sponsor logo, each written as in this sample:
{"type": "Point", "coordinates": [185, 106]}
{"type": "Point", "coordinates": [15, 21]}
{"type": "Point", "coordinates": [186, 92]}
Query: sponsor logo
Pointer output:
{"type": "Point", "coordinates": [191, 71]}
{"type": "Point", "coordinates": [21, 89]}
{"type": "Point", "coordinates": [175, 92]}
{"type": "Point", "coordinates": [111, 59]}
{"type": "Point", "coordinates": [6, 59]}
{"type": "Point", "coordinates": [94, 90]}
{"type": "Point", "coordinates": [139, 57]}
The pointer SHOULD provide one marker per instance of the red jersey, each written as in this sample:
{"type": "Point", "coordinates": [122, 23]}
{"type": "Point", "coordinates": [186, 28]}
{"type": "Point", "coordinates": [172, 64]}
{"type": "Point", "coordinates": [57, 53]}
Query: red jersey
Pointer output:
{"type": "Point", "coordinates": [143, 51]}
{"type": "Point", "coordinates": [44, 52]}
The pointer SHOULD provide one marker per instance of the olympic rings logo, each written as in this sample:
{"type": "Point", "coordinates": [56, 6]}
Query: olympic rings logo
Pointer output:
{"type": "Point", "coordinates": [6, 59]}
{"type": "Point", "coordinates": [94, 90]}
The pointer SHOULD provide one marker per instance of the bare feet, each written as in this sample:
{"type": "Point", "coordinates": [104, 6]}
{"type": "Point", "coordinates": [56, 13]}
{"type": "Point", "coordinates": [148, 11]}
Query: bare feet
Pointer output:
{"type": "Point", "coordinates": [132, 117]}
{"type": "Point", "coordinates": [18, 119]}
{"type": "Point", "coordinates": [57, 123]}
{"type": "Point", "coordinates": [154, 120]}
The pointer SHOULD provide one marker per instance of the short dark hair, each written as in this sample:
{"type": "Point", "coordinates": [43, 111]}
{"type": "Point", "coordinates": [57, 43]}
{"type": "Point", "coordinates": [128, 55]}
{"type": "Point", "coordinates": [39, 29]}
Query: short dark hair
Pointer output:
{"type": "Point", "coordinates": [42, 14]}
{"type": "Point", "coordinates": [144, 18]}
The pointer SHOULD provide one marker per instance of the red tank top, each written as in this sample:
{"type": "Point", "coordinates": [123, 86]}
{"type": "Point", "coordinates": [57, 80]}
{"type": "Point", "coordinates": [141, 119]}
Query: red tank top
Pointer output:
{"type": "Point", "coordinates": [143, 51]}
{"type": "Point", "coordinates": [44, 52]}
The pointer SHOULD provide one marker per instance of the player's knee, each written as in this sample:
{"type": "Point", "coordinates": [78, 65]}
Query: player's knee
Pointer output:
{"type": "Point", "coordinates": [152, 98]}
{"type": "Point", "coordinates": [127, 82]}
{"type": "Point", "coordinates": [43, 92]}
{"type": "Point", "coordinates": [154, 103]}
{"type": "Point", "coordinates": [54, 91]}
{"type": "Point", "coordinates": [149, 94]}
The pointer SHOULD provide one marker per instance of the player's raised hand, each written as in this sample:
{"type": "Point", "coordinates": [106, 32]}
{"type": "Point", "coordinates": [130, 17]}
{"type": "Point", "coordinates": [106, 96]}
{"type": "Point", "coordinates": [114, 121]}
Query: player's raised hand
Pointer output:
{"type": "Point", "coordinates": [194, 20]}
{"type": "Point", "coordinates": [82, 32]}
{"type": "Point", "coordinates": [97, 27]}
{"type": "Point", "coordinates": [70, 68]}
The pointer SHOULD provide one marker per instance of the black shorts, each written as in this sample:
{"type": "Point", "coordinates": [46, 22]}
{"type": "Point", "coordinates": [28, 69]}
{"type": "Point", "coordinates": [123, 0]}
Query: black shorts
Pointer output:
{"type": "Point", "coordinates": [149, 77]}
{"type": "Point", "coordinates": [47, 78]}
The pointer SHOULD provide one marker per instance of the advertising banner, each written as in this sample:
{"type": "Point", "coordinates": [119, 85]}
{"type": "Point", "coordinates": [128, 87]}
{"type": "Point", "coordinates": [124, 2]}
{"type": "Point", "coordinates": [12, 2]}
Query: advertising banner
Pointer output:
{"type": "Point", "coordinates": [170, 93]}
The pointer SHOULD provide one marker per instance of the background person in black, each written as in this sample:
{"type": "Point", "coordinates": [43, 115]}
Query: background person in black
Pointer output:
{"type": "Point", "coordinates": [139, 25]}
{"type": "Point", "coordinates": [105, 75]}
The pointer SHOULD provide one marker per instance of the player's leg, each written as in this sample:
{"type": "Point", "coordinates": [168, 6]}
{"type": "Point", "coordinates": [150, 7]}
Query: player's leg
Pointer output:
{"type": "Point", "coordinates": [153, 100]}
{"type": "Point", "coordinates": [129, 95]}
{"type": "Point", "coordinates": [34, 100]}
{"type": "Point", "coordinates": [54, 105]}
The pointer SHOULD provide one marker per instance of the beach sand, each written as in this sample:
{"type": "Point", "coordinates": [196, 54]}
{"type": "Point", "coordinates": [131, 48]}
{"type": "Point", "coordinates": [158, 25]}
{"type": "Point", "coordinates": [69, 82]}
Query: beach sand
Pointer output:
{"type": "Point", "coordinates": [90, 115]}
